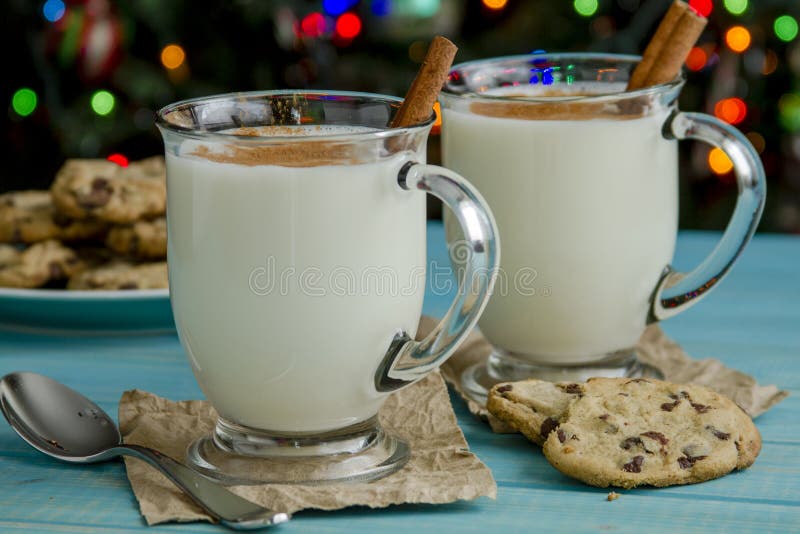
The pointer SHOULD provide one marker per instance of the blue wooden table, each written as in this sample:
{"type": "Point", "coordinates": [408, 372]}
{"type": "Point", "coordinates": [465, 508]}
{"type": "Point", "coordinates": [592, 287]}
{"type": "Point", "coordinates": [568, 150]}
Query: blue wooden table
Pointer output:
{"type": "Point", "coordinates": [752, 322]}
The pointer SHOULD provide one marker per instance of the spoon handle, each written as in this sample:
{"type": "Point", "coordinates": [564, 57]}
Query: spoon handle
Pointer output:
{"type": "Point", "coordinates": [229, 509]}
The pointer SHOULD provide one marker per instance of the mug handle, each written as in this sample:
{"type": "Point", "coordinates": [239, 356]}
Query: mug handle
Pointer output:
{"type": "Point", "coordinates": [677, 291]}
{"type": "Point", "coordinates": [408, 360]}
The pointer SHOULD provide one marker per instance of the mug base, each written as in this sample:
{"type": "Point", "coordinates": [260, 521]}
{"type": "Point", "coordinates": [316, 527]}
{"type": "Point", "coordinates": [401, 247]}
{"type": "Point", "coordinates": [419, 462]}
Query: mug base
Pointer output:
{"type": "Point", "coordinates": [478, 379]}
{"type": "Point", "coordinates": [237, 455]}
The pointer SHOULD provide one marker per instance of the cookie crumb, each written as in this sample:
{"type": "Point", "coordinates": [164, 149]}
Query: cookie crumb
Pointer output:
{"type": "Point", "coordinates": [612, 496]}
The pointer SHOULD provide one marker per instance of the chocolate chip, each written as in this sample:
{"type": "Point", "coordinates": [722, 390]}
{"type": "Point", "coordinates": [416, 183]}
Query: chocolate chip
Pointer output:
{"type": "Point", "coordinates": [635, 465]}
{"type": "Point", "coordinates": [548, 425]}
{"type": "Point", "coordinates": [99, 195]}
{"type": "Point", "coordinates": [604, 417]}
{"type": "Point", "coordinates": [718, 433]}
{"type": "Point", "coordinates": [658, 436]}
{"type": "Point", "coordinates": [627, 443]}
{"type": "Point", "coordinates": [60, 220]}
{"type": "Point", "coordinates": [562, 437]}
{"type": "Point", "coordinates": [574, 389]}
{"type": "Point", "coordinates": [504, 388]}
{"type": "Point", "coordinates": [688, 461]}
{"type": "Point", "coordinates": [129, 285]}
{"type": "Point", "coordinates": [669, 406]}
{"type": "Point", "coordinates": [681, 395]}
{"type": "Point", "coordinates": [55, 270]}
{"type": "Point", "coordinates": [701, 408]}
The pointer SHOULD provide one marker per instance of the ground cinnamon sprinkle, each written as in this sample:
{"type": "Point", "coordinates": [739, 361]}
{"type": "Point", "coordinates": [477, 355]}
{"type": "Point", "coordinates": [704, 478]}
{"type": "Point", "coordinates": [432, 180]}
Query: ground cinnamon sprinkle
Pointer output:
{"type": "Point", "coordinates": [557, 110]}
{"type": "Point", "coordinates": [301, 154]}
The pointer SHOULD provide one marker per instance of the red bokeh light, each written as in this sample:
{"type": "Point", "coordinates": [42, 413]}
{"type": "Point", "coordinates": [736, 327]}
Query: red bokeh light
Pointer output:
{"type": "Point", "coordinates": [119, 159]}
{"type": "Point", "coordinates": [348, 25]}
{"type": "Point", "coordinates": [696, 59]}
{"type": "Point", "coordinates": [702, 7]}
{"type": "Point", "coordinates": [731, 110]}
{"type": "Point", "coordinates": [313, 24]}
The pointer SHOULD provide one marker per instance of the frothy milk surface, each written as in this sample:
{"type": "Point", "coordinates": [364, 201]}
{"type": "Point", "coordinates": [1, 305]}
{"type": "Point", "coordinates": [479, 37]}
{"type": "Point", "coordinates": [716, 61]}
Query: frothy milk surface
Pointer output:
{"type": "Point", "coordinates": [587, 212]}
{"type": "Point", "coordinates": [275, 279]}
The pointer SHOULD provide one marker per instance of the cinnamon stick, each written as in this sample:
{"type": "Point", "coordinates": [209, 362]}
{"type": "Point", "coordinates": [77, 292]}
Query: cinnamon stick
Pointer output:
{"type": "Point", "coordinates": [667, 51]}
{"type": "Point", "coordinates": [656, 44]}
{"type": "Point", "coordinates": [424, 90]}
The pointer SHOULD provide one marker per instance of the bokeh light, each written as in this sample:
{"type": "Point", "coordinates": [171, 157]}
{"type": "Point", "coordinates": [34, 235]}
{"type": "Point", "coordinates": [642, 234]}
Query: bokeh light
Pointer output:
{"type": "Point", "coordinates": [24, 101]}
{"type": "Point", "coordinates": [348, 25]}
{"type": "Point", "coordinates": [381, 8]}
{"type": "Point", "coordinates": [786, 28]}
{"type": "Point", "coordinates": [731, 110]}
{"type": "Point", "coordinates": [736, 7]}
{"type": "Point", "coordinates": [119, 159]}
{"type": "Point", "coordinates": [585, 8]}
{"type": "Point", "coordinates": [738, 39]}
{"type": "Point", "coordinates": [757, 140]}
{"type": "Point", "coordinates": [697, 59]}
{"type": "Point", "coordinates": [719, 161]}
{"type": "Point", "coordinates": [437, 125]}
{"type": "Point", "coordinates": [702, 7]}
{"type": "Point", "coordinates": [418, 8]}
{"type": "Point", "coordinates": [53, 10]}
{"type": "Point", "coordinates": [789, 111]}
{"type": "Point", "coordinates": [495, 4]}
{"type": "Point", "coordinates": [337, 7]}
{"type": "Point", "coordinates": [313, 24]}
{"type": "Point", "coordinates": [102, 102]}
{"type": "Point", "coordinates": [770, 63]}
{"type": "Point", "coordinates": [172, 56]}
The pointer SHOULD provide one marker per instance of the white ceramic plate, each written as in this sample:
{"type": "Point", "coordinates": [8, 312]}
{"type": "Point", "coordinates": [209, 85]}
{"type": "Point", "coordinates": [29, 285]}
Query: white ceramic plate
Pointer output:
{"type": "Point", "coordinates": [102, 312]}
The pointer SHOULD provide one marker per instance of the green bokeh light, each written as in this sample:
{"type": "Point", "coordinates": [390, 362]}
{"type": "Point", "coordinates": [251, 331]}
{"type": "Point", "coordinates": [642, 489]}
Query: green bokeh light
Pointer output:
{"type": "Point", "coordinates": [585, 8]}
{"type": "Point", "coordinates": [786, 28]}
{"type": "Point", "coordinates": [417, 8]}
{"type": "Point", "coordinates": [789, 109]}
{"type": "Point", "coordinates": [24, 102]}
{"type": "Point", "coordinates": [102, 102]}
{"type": "Point", "coordinates": [736, 7]}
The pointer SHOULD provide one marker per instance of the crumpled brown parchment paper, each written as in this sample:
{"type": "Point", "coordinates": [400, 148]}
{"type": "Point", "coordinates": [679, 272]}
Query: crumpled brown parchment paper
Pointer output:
{"type": "Point", "coordinates": [441, 468]}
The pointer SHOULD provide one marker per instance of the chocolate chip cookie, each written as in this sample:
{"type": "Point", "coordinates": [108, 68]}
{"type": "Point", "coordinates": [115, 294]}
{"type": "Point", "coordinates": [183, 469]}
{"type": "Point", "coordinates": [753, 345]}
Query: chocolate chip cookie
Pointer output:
{"type": "Point", "coordinates": [122, 275]}
{"type": "Point", "coordinates": [30, 217]}
{"type": "Point", "coordinates": [38, 265]}
{"type": "Point", "coordinates": [145, 240]}
{"type": "Point", "coordinates": [632, 432]}
{"type": "Point", "coordinates": [101, 189]}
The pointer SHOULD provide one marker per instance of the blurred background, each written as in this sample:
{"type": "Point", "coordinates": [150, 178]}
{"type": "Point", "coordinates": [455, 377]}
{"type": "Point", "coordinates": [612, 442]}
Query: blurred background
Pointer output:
{"type": "Point", "coordinates": [84, 77]}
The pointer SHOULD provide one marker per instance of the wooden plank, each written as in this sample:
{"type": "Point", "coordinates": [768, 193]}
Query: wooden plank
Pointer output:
{"type": "Point", "coordinates": [41, 495]}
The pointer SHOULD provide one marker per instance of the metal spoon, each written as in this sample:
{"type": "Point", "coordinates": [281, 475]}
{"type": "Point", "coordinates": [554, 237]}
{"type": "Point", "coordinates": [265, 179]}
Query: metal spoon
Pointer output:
{"type": "Point", "coordinates": [64, 424]}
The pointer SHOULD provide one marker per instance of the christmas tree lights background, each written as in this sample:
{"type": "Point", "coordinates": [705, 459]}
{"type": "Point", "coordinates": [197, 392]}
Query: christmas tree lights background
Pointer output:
{"type": "Point", "coordinates": [84, 77]}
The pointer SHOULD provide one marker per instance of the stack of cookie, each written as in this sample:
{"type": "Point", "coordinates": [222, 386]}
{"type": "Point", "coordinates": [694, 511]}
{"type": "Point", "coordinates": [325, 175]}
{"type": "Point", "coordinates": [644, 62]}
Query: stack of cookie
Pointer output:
{"type": "Point", "coordinates": [101, 226]}
{"type": "Point", "coordinates": [630, 432]}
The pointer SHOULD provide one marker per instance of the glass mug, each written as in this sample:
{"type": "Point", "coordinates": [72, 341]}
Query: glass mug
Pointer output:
{"type": "Point", "coordinates": [297, 261]}
{"type": "Point", "coordinates": [582, 178]}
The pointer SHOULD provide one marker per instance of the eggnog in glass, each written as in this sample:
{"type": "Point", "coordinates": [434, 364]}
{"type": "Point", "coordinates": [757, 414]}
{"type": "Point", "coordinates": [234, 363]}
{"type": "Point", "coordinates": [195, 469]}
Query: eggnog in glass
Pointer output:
{"type": "Point", "coordinates": [297, 257]}
{"type": "Point", "coordinates": [582, 177]}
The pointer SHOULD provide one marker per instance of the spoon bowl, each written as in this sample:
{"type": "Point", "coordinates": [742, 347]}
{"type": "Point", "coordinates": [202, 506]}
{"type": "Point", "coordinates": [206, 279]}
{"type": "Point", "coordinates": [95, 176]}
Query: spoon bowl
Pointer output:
{"type": "Point", "coordinates": [62, 423]}
{"type": "Point", "coordinates": [57, 420]}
